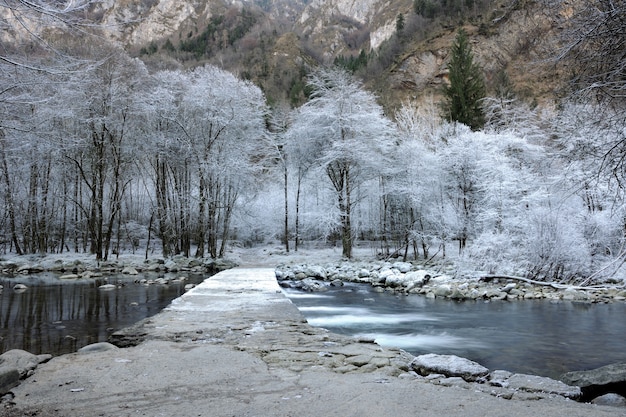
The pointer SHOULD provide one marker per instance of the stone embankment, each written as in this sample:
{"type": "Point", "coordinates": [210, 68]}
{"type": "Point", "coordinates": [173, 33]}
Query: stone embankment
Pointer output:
{"type": "Point", "coordinates": [406, 278]}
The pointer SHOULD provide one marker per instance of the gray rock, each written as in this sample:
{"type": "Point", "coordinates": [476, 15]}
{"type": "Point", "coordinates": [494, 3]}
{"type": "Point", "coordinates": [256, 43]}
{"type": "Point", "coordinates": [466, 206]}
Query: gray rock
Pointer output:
{"type": "Point", "coordinates": [403, 267]}
{"type": "Point", "coordinates": [610, 374]}
{"type": "Point", "coordinates": [533, 383]}
{"type": "Point", "coordinates": [443, 290]}
{"type": "Point", "coordinates": [570, 294]}
{"type": "Point", "coordinates": [21, 360]}
{"type": "Point", "coordinates": [129, 270]}
{"type": "Point", "coordinates": [9, 378]}
{"type": "Point", "coordinates": [364, 273]}
{"type": "Point", "coordinates": [449, 365]}
{"type": "Point", "coordinates": [454, 381]}
{"type": "Point", "coordinates": [614, 400]}
{"type": "Point", "coordinates": [171, 266]}
{"type": "Point", "coordinates": [107, 287]}
{"type": "Point", "coordinates": [315, 271]}
{"type": "Point", "coordinates": [499, 378]}
{"type": "Point", "coordinates": [458, 295]}
{"type": "Point", "coordinates": [97, 347]}
{"type": "Point", "coordinates": [309, 284]}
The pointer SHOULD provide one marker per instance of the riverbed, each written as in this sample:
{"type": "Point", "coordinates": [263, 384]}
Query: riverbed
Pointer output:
{"type": "Point", "coordinates": [538, 337]}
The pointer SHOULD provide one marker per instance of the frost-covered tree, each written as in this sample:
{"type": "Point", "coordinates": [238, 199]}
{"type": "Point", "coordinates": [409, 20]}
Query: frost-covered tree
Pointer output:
{"type": "Point", "coordinates": [409, 196]}
{"type": "Point", "coordinates": [95, 115]}
{"type": "Point", "coordinates": [217, 125]}
{"type": "Point", "coordinates": [350, 137]}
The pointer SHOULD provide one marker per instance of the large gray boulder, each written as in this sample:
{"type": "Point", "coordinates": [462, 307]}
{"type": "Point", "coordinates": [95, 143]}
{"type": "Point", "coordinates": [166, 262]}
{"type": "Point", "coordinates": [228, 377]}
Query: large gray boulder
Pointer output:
{"type": "Point", "coordinates": [610, 374]}
{"type": "Point", "coordinates": [17, 364]}
{"type": "Point", "coordinates": [448, 365]}
{"type": "Point", "coordinates": [600, 381]}
{"type": "Point", "coordinates": [23, 361]}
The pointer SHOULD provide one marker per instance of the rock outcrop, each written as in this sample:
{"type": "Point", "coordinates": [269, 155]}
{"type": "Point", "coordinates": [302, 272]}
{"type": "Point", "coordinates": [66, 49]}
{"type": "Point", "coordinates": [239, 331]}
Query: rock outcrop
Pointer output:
{"type": "Point", "coordinates": [610, 379]}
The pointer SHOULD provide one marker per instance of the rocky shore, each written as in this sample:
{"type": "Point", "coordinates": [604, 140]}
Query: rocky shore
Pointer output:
{"type": "Point", "coordinates": [87, 267]}
{"type": "Point", "coordinates": [407, 278]}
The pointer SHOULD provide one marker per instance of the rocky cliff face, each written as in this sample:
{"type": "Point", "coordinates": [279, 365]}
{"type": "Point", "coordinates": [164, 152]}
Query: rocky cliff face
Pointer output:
{"type": "Point", "coordinates": [508, 36]}
{"type": "Point", "coordinates": [136, 23]}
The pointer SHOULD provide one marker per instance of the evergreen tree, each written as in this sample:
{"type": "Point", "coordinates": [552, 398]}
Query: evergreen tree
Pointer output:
{"type": "Point", "coordinates": [466, 90]}
{"type": "Point", "coordinates": [399, 23]}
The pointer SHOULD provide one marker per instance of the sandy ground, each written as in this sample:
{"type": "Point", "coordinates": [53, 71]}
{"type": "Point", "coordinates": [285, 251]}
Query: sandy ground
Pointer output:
{"type": "Point", "coordinates": [236, 346]}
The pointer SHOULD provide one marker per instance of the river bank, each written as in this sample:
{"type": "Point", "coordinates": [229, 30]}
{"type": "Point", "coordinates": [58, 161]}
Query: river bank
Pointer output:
{"type": "Point", "coordinates": [235, 345]}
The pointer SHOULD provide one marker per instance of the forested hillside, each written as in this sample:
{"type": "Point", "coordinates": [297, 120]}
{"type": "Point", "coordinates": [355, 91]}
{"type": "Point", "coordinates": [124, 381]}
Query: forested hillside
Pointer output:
{"type": "Point", "coordinates": [237, 132]}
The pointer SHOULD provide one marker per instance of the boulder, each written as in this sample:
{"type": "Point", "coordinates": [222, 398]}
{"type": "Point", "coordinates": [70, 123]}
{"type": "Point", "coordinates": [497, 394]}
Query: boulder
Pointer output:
{"type": "Point", "coordinates": [311, 285]}
{"type": "Point", "coordinates": [171, 266]}
{"type": "Point", "coordinates": [24, 362]}
{"type": "Point", "coordinates": [129, 270]}
{"type": "Point", "coordinates": [396, 280]}
{"type": "Point", "coordinates": [363, 273]}
{"type": "Point", "coordinates": [97, 347]}
{"type": "Point", "coordinates": [600, 381]}
{"type": "Point", "coordinates": [448, 365]}
{"type": "Point", "coordinates": [9, 378]}
{"type": "Point", "coordinates": [418, 278]}
{"type": "Point", "coordinates": [403, 267]}
{"type": "Point", "coordinates": [315, 271]}
{"type": "Point", "coordinates": [443, 290]}
{"type": "Point", "coordinates": [614, 400]}
{"type": "Point", "coordinates": [534, 383]}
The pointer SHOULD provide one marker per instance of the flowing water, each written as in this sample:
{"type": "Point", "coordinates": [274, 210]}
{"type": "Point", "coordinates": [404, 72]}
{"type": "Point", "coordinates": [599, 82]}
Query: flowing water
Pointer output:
{"type": "Point", "coordinates": [536, 337]}
{"type": "Point", "coordinates": [60, 316]}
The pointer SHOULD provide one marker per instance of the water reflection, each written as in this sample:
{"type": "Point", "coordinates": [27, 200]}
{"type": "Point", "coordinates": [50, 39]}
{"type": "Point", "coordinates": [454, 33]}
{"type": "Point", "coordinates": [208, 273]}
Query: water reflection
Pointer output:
{"type": "Point", "coordinates": [535, 337]}
{"type": "Point", "coordinates": [59, 316]}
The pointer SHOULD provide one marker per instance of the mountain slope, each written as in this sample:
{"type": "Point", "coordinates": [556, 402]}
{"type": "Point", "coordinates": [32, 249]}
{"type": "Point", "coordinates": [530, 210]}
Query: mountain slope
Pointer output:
{"type": "Point", "coordinates": [510, 40]}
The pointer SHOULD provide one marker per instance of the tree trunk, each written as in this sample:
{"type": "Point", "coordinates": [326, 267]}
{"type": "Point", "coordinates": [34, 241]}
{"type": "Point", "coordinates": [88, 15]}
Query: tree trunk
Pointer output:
{"type": "Point", "coordinates": [297, 230]}
{"type": "Point", "coordinates": [286, 238]}
{"type": "Point", "coordinates": [201, 231]}
{"type": "Point", "coordinates": [9, 196]}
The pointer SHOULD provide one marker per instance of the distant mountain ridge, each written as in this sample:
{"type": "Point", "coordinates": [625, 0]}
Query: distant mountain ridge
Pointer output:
{"type": "Point", "coordinates": [245, 37]}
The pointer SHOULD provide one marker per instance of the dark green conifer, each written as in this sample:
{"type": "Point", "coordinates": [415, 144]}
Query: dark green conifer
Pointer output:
{"type": "Point", "coordinates": [466, 90]}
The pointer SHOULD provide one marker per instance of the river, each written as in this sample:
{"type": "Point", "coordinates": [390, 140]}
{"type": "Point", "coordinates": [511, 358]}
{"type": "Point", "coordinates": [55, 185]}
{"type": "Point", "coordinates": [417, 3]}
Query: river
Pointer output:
{"type": "Point", "coordinates": [536, 337]}
{"type": "Point", "coordinates": [60, 316]}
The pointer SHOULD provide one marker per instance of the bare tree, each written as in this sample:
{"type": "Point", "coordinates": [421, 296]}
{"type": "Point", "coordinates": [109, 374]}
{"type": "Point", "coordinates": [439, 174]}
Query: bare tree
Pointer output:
{"type": "Point", "coordinates": [594, 41]}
